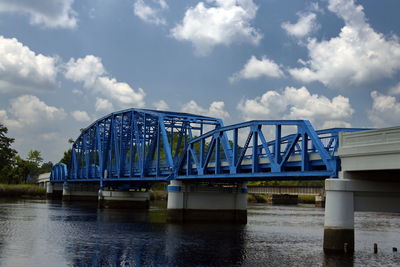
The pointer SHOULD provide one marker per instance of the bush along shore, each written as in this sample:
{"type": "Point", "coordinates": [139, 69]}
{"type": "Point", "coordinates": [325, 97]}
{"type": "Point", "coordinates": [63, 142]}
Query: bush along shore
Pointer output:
{"type": "Point", "coordinates": [22, 191]}
{"type": "Point", "coordinates": [263, 198]}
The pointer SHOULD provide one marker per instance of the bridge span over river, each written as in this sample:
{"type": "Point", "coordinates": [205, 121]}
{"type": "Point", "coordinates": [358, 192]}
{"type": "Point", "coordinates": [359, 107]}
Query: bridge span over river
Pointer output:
{"type": "Point", "coordinates": [207, 165]}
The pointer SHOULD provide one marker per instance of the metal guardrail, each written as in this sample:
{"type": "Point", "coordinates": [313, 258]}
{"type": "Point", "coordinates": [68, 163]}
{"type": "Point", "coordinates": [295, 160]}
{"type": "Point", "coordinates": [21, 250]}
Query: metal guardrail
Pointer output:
{"type": "Point", "coordinates": [289, 190]}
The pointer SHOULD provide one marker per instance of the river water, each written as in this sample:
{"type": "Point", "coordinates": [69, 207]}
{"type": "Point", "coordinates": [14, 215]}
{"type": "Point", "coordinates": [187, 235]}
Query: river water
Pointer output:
{"type": "Point", "coordinates": [46, 233]}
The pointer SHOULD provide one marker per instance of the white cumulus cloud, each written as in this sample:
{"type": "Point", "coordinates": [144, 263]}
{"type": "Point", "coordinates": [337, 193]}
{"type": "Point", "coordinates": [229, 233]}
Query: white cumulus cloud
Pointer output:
{"type": "Point", "coordinates": [85, 70]}
{"type": "Point", "coordinates": [47, 13]}
{"type": "Point", "coordinates": [27, 113]}
{"type": "Point", "coordinates": [303, 27]}
{"type": "Point", "coordinates": [385, 110]}
{"type": "Point", "coordinates": [121, 92]}
{"type": "Point", "coordinates": [23, 70]}
{"type": "Point", "coordinates": [91, 72]}
{"type": "Point", "coordinates": [216, 109]}
{"type": "Point", "coordinates": [81, 116]}
{"type": "Point", "coordinates": [161, 105]}
{"type": "Point", "coordinates": [355, 57]}
{"type": "Point", "coordinates": [218, 22]}
{"type": "Point", "coordinates": [255, 68]}
{"type": "Point", "coordinates": [36, 125]}
{"type": "Point", "coordinates": [103, 104]}
{"type": "Point", "coordinates": [150, 13]}
{"type": "Point", "coordinates": [395, 90]}
{"type": "Point", "coordinates": [299, 103]}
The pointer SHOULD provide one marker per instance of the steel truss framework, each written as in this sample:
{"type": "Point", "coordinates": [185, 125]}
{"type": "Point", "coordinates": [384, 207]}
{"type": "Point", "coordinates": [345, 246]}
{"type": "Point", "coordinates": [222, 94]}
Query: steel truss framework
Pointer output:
{"type": "Point", "coordinates": [304, 154]}
{"type": "Point", "coordinates": [135, 144]}
{"type": "Point", "coordinates": [139, 145]}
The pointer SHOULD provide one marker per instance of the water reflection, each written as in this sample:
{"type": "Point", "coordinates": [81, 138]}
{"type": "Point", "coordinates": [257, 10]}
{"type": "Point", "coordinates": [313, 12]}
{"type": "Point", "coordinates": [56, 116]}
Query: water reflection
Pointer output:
{"type": "Point", "coordinates": [339, 260]}
{"type": "Point", "coordinates": [126, 238]}
{"type": "Point", "coordinates": [40, 233]}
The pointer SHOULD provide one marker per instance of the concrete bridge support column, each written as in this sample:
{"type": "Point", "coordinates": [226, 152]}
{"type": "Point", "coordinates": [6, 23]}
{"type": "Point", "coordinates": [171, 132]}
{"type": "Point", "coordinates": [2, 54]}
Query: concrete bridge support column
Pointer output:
{"type": "Point", "coordinates": [205, 202]}
{"type": "Point", "coordinates": [66, 192]}
{"type": "Point", "coordinates": [49, 190]}
{"type": "Point", "coordinates": [339, 220]}
{"type": "Point", "coordinates": [54, 190]}
{"type": "Point", "coordinates": [80, 191]}
{"type": "Point", "coordinates": [351, 193]}
{"type": "Point", "coordinates": [117, 199]}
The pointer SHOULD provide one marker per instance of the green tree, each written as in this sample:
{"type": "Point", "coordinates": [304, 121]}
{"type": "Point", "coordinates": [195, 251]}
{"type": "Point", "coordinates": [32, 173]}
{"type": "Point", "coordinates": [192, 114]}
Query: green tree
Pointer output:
{"type": "Point", "coordinates": [7, 154]}
{"type": "Point", "coordinates": [66, 159]}
{"type": "Point", "coordinates": [46, 167]}
{"type": "Point", "coordinates": [35, 156]}
{"type": "Point", "coordinates": [23, 170]}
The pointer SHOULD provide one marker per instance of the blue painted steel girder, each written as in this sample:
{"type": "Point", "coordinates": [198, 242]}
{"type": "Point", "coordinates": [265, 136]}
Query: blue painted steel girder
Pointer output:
{"type": "Point", "coordinates": [140, 145]}
{"type": "Point", "coordinates": [136, 144]}
{"type": "Point", "coordinates": [302, 154]}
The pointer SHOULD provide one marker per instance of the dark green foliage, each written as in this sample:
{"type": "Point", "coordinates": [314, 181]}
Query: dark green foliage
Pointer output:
{"type": "Point", "coordinates": [6, 153]}
{"type": "Point", "coordinates": [46, 167]}
{"type": "Point", "coordinates": [34, 156]}
{"type": "Point", "coordinates": [66, 159]}
{"type": "Point", "coordinates": [13, 168]}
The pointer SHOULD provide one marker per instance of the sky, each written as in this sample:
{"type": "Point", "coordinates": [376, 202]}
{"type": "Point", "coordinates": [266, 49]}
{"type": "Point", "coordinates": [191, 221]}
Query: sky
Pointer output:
{"type": "Point", "coordinates": [66, 63]}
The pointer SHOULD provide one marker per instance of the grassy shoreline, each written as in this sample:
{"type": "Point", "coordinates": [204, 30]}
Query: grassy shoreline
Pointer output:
{"type": "Point", "coordinates": [22, 191]}
{"type": "Point", "coordinates": [34, 191]}
{"type": "Point", "coordinates": [263, 198]}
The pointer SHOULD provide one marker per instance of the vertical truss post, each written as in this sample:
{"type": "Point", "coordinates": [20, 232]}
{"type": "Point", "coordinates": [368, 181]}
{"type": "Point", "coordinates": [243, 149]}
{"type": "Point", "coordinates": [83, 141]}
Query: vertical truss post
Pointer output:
{"type": "Point", "coordinates": [201, 160]}
{"type": "Point", "coordinates": [99, 151]}
{"type": "Point", "coordinates": [304, 152]}
{"type": "Point", "coordinates": [158, 151]}
{"type": "Point", "coordinates": [143, 147]}
{"type": "Point", "coordinates": [277, 147]}
{"type": "Point", "coordinates": [132, 133]}
{"type": "Point", "coordinates": [188, 162]}
{"type": "Point", "coordinates": [217, 154]}
{"type": "Point", "coordinates": [254, 165]}
{"type": "Point", "coordinates": [167, 148]}
{"type": "Point", "coordinates": [234, 151]}
{"type": "Point", "coordinates": [86, 155]}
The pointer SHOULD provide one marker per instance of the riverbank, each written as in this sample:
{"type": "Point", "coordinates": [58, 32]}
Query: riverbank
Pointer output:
{"type": "Point", "coordinates": [251, 198]}
{"type": "Point", "coordinates": [34, 191]}
{"type": "Point", "coordinates": [22, 191]}
{"type": "Point", "coordinates": [158, 195]}
{"type": "Point", "coordinates": [263, 198]}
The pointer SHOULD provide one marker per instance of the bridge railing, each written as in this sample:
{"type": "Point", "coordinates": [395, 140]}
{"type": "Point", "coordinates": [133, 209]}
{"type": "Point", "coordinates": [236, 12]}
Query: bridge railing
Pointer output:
{"type": "Point", "coordinates": [302, 153]}
{"type": "Point", "coordinates": [290, 190]}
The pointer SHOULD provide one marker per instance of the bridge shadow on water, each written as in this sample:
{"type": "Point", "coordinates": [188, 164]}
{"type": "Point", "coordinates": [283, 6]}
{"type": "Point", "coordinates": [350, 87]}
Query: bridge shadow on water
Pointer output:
{"type": "Point", "coordinates": [94, 237]}
{"type": "Point", "coordinates": [143, 238]}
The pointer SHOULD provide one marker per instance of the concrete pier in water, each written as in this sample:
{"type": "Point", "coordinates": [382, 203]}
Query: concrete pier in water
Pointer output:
{"type": "Point", "coordinates": [109, 198]}
{"type": "Point", "coordinates": [80, 191]}
{"type": "Point", "coordinates": [54, 190]}
{"type": "Point", "coordinates": [369, 181]}
{"type": "Point", "coordinates": [202, 202]}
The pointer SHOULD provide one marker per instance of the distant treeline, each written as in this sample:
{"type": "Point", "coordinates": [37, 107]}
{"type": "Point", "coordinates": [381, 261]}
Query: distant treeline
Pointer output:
{"type": "Point", "coordinates": [13, 168]}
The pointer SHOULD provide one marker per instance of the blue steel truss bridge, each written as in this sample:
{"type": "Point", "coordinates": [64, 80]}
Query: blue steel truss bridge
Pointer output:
{"type": "Point", "coordinates": [145, 146]}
